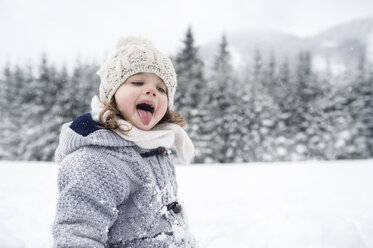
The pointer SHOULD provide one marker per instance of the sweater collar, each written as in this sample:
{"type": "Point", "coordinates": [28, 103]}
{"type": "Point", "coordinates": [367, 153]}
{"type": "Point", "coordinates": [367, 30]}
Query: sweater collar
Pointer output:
{"type": "Point", "coordinates": [71, 140]}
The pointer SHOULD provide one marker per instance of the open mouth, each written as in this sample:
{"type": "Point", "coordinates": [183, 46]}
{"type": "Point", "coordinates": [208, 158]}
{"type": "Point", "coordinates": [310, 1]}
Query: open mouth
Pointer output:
{"type": "Point", "coordinates": [145, 112]}
{"type": "Point", "coordinates": [145, 107]}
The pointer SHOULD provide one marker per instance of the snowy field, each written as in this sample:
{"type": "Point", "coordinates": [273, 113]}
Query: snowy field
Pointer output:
{"type": "Point", "coordinates": [272, 205]}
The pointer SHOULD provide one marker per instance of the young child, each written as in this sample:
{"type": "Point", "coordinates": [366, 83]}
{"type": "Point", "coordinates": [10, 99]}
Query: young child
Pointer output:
{"type": "Point", "coordinates": [117, 185]}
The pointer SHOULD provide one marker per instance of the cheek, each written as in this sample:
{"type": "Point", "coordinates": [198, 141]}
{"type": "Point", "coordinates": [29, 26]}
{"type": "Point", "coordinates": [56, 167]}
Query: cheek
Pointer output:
{"type": "Point", "coordinates": [124, 98]}
{"type": "Point", "coordinates": [163, 107]}
{"type": "Point", "coordinates": [123, 103]}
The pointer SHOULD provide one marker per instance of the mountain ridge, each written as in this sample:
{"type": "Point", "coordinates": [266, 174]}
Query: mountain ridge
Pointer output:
{"type": "Point", "coordinates": [338, 47]}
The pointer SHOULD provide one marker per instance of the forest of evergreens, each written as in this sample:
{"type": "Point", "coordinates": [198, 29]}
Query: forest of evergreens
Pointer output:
{"type": "Point", "coordinates": [275, 111]}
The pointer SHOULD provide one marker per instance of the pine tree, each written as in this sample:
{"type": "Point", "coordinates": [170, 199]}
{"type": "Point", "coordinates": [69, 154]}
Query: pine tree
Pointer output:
{"type": "Point", "coordinates": [191, 92]}
{"type": "Point", "coordinates": [222, 106]}
{"type": "Point", "coordinates": [269, 76]}
{"type": "Point", "coordinates": [303, 93]}
{"type": "Point", "coordinates": [39, 137]}
{"type": "Point", "coordinates": [5, 114]}
{"type": "Point", "coordinates": [18, 111]}
{"type": "Point", "coordinates": [363, 112]}
{"type": "Point", "coordinates": [260, 111]}
{"type": "Point", "coordinates": [340, 126]}
{"type": "Point", "coordinates": [352, 118]}
{"type": "Point", "coordinates": [82, 87]}
{"type": "Point", "coordinates": [257, 72]}
{"type": "Point", "coordinates": [361, 69]}
{"type": "Point", "coordinates": [282, 87]}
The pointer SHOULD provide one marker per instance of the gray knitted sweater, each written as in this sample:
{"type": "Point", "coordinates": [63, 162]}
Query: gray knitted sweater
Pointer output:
{"type": "Point", "coordinates": [112, 193]}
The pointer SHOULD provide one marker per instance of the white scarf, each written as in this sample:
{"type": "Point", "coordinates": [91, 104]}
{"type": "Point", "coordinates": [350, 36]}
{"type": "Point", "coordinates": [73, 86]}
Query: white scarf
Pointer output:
{"type": "Point", "coordinates": [166, 134]}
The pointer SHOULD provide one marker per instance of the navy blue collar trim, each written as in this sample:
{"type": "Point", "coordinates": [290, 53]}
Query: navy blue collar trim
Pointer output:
{"type": "Point", "coordinates": [159, 151]}
{"type": "Point", "coordinates": [85, 125]}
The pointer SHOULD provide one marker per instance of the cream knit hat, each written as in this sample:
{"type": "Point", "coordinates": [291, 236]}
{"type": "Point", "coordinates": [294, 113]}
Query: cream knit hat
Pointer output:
{"type": "Point", "coordinates": [134, 55]}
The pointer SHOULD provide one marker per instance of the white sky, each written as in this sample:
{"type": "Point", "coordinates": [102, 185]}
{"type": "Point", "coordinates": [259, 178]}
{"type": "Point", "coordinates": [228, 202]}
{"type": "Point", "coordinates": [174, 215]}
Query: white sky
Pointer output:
{"type": "Point", "coordinates": [67, 28]}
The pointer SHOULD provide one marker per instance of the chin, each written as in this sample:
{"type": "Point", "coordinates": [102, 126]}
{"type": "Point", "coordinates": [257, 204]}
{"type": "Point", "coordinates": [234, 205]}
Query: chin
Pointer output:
{"type": "Point", "coordinates": [145, 128]}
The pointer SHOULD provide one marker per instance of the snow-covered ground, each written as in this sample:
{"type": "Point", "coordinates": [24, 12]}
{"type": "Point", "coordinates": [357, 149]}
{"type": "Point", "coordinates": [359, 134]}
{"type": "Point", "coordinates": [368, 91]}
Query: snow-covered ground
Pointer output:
{"type": "Point", "coordinates": [272, 205]}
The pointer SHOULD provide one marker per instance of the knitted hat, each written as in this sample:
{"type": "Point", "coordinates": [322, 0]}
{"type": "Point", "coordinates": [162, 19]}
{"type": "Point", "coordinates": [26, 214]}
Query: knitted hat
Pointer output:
{"type": "Point", "coordinates": [134, 55]}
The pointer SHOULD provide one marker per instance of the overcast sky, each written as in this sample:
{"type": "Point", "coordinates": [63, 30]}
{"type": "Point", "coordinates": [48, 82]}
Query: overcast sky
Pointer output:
{"type": "Point", "coordinates": [65, 29]}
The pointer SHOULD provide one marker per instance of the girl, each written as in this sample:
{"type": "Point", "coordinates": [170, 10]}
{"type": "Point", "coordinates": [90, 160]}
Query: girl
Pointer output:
{"type": "Point", "coordinates": [117, 185]}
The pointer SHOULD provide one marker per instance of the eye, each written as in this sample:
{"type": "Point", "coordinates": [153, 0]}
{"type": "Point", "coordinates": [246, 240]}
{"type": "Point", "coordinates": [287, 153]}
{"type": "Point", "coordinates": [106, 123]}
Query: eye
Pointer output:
{"type": "Point", "coordinates": [137, 83]}
{"type": "Point", "coordinates": [162, 90]}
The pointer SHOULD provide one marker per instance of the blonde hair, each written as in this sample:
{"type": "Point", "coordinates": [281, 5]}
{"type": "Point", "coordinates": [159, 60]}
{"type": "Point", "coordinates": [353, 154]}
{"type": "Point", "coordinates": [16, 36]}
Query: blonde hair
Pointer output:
{"type": "Point", "coordinates": [109, 117]}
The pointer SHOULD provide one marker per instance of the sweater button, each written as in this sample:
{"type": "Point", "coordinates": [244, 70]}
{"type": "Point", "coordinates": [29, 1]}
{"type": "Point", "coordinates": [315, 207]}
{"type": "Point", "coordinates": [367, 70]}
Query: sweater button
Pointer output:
{"type": "Point", "coordinates": [162, 151]}
{"type": "Point", "coordinates": [177, 208]}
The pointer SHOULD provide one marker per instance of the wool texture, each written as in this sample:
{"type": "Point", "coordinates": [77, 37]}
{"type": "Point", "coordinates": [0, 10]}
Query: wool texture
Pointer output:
{"type": "Point", "coordinates": [112, 196]}
{"type": "Point", "coordinates": [134, 55]}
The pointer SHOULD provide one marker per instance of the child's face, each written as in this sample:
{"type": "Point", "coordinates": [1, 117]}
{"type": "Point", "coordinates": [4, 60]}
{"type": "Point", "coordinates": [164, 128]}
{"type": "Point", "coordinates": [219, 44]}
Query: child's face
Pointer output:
{"type": "Point", "coordinates": [142, 100]}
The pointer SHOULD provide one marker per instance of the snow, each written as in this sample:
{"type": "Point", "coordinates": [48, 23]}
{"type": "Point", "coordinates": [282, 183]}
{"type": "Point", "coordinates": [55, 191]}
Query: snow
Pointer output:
{"type": "Point", "coordinates": [322, 63]}
{"type": "Point", "coordinates": [272, 205]}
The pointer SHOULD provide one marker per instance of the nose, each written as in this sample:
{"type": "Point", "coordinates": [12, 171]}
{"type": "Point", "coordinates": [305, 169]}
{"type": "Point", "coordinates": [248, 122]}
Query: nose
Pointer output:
{"type": "Point", "coordinates": [150, 91]}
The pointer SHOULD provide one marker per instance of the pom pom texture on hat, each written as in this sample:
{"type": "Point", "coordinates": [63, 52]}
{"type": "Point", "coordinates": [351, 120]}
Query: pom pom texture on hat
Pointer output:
{"type": "Point", "coordinates": [134, 55]}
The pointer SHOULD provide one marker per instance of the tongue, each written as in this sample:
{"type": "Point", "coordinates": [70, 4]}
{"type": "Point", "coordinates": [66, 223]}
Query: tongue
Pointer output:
{"type": "Point", "coordinates": [145, 116]}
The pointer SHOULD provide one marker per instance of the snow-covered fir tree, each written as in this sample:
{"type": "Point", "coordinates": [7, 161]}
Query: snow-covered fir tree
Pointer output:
{"type": "Point", "coordinates": [39, 141]}
{"type": "Point", "coordinates": [222, 106]}
{"type": "Point", "coordinates": [8, 132]}
{"type": "Point", "coordinates": [83, 86]}
{"type": "Point", "coordinates": [350, 118]}
{"type": "Point", "coordinates": [191, 92]}
{"type": "Point", "coordinates": [302, 95]}
{"type": "Point", "coordinates": [259, 111]}
{"type": "Point", "coordinates": [16, 107]}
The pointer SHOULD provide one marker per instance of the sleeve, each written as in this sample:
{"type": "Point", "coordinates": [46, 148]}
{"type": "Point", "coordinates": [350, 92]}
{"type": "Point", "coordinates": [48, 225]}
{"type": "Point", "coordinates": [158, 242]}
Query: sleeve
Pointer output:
{"type": "Point", "coordinates": [90, 189]}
